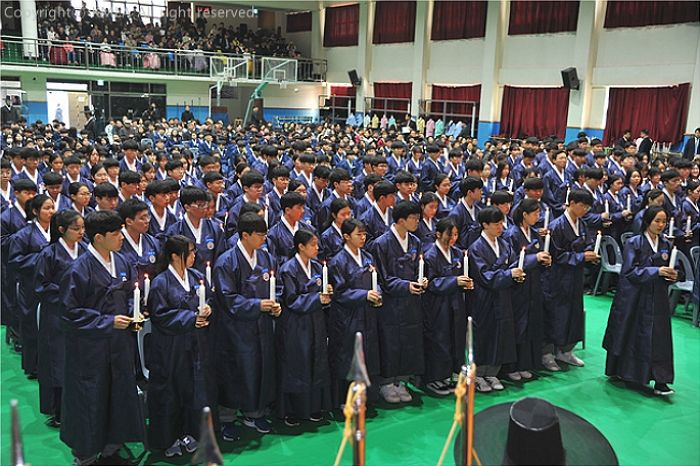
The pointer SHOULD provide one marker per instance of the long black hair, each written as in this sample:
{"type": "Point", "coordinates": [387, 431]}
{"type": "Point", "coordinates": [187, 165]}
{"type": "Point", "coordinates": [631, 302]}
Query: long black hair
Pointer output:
{"type": "Point", "coordinates": [62, 219]}
{"type": "Point", "coordinates": [650, 214]}
{"type": "Point", "coordinates": [176, 244]}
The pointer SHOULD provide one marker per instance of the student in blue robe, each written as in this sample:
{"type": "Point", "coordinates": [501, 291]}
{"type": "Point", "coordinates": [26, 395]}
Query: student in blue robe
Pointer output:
{"type": "Point", "coordinates": [304, 375]}
{"type": "Point", "coordinates": [673, 203]}
{"type": "Point", "coordinates": [331, 242]}
{"type": "Point", "coordinates": [245, 208]}
{"type": "Point", "coordinates": [562, 283]}
{"type": "Point", "coordinates": [252, 182]}
{"type": "Point", "coordinates": [318, 191]}
{"type": "Point", "coordinates": [279, 176]}
{"type": "Point", "coordinates": [377, 219]}
{"type": "Point", "coordinates": [244, 339]}
{"type": "Point", "coordinates": [161, 217]}
{"type": "Point", "coordinates": [493, 267]}
{"type": "Point", "coordinates": [342, 188]}
{"type": "Point", "coordinates": [80, 197]}
{"type": "Point", "coordinates": [619, 215]}
{"type": "Point", "coordinates": [443, 185]}
{"type": "Point", "coordinates": [365, 202]}
{"type": "Point", "coordinates": [444, 310]}
{"type": "Point", "coordinates": [400, 323]}
{"type": "Point", "coordinates": [556, 184]}
{"type": "Point", "coordinates": [205, 232]}
{"type": "Point", "coordinates": [178, 349]}
{"type": "Point", "coordinates": [352, 309]}
{"type": "Point", "coordinates": [67, 231]}
{"type": "Point", "coordinates": [638, 336]}
{"type": "Point", "coordinates": [632, 190]}
{"type": "Point", "coordinates": [139, 248]}
{"type": "Point", "coordinates": [25, 246]}
{"type": "Point", "coordinates": [426, 227]}
{"type": "Point", "coordinates": [431, 168]}
{"type": "Point", "coordinates": [280, 238]}
{"type": "Point", "coordinates": [214, 184]}
{"type": "Point", "coordinates": [466, 211]}
{"type": "Point", "coordinates": [7, 194]}
{"type": "Point", "coordinates": [527, 302]}
{"type": "Point", "coordinates": [650, 198]}
{"type": "Point", "coordinates": [53, 187]}
{"type": "Point", "coordinates": [692, 212]}
{"type": "Point", "coordinates": [99, 389]}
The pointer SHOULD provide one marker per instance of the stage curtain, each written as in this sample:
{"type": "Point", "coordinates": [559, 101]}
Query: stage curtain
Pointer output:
{"type": "Point", "coordinates": [661, 110]}
{"type": "Point", "coordinates": [394, 22]}
{"type": "Point", "coordinates": [541, 17]}
{"type": "Point", "coordinates": [342, 26]}
{"type": "Point", "coordinates": [458, 20]}
{"type": "Point", "coordinates": [461, 93]}
{"type": "Point", "coordinates": [621, 14]}
{"type": "Point", "coordinates": [537, 112]}
{"type": "Point", "coordinates": [299, 22]}
{"type": "Point", "coordinates": [393, 91]}
{"type": "Point", "coordinates": [341, 95]}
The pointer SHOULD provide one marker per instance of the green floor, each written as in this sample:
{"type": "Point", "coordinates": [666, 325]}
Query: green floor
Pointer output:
{"type": "Point", "coordinates": [644, 430]}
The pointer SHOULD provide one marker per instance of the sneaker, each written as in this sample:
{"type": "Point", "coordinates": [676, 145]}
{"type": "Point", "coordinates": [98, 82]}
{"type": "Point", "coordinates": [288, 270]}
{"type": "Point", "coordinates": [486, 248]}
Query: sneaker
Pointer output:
{"type": "Point", "coordinates": [290, 421]}
{"type": "Point", "coordinates": [260, 424]}
{"type": "Point", "coordinates": [662, 389]}
{"type": "Point", "coordinates": [515, 376]}
{"type": "Point", "coordinates": [438, 388]}
{"type": "Point", "coordinates": [450, 384]}
{"type": "Point", "coordinates": [527, 375]}
{"type": "Point", "coordinates": [495, 383]}
{"type": "Point", "coordinates": [403, 393]}
{"type": "Point", "coordinates": [482, 385]}
{"type": "Point", "coordinates": [188, 443]}
{"type": "Point", "coordinates": [549, 363]}
{"type": "Point", "coordinates": [316, 417]}
{"type": "Point", "coordinates": [388, 392]}
{"type": "Point", "coordinates": [174, 450]}
{"type": "Point", "coordinates": [229, 432]}
{"type": "Point", "coordinates": [53, 421]}
{"type": "Point", "coordinates": [569, 358]}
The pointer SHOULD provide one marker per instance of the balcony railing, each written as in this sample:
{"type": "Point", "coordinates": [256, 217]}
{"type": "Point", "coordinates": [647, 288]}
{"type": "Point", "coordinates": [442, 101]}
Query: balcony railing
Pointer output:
{"type": "Point", "coordinates": [119, 58]}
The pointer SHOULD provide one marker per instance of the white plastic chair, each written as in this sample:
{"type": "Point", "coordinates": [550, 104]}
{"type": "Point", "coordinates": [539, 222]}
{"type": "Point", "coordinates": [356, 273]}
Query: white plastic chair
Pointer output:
{"type": "Point", "coordinates": [685, 288]}
{"type": "Point", "coordinates": [141, 336]}
{"type": "Point", "coordinates": [608, 245]}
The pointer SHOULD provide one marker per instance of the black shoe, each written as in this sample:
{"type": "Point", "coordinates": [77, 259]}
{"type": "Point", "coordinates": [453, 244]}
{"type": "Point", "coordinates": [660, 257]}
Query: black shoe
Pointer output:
{"type": "Point", "coordinates": [662, 389]}
{"type": "Point", "coordinates": [290, 421]}
{"type": "Point", "coordinates": [32, 376]}
{"type": "Point", "coordinates": [53, 422]}
{"type": "Point", "coordinates": [18, 347]}
{"type": "Point", "coordinates": [316, 417]}
{"type": "Point", "coordinates": [113, 460]}
{"type": "Point", "coordinates": [229, 432]}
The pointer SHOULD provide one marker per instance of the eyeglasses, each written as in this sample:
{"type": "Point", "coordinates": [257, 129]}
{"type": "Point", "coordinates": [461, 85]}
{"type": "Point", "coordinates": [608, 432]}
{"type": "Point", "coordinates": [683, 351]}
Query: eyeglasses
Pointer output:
{"type": "Point", "coordinates": [260, 235]}
{"type": "Point", "coordinates": [76, 228]}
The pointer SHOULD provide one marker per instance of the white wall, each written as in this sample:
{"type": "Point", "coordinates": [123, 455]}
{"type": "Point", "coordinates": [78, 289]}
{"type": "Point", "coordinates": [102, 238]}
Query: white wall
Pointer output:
{"type": "Point", "coordinates": [306, 96]}
{"type": "Point", "coordinates": [391, 62]}
{"type": "Point", "coordinates": [340, 61]}
{"type": "Point", "coordinates": [455, 61]}
{"type": "Point", "coordinates": [536, 59]}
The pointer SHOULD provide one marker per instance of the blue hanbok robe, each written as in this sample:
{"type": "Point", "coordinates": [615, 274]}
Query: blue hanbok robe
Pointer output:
{"type": "Point", "coordinates": [154, 228]}
{"type": "Point", "coordinates": [211, 245]}
{"type": "Point", "coordinates": [301, 337]}
{"type": "Point", "coordinates": [11, 221]}
{"type": "Point", "coordinates": [691, 211]}
{"type": "Point", "coordinates": [330, 244]}
{"type": "Point", "coordinates": [616, 206]}
{"type": "Point", "coordinates": [469, 228]}
{"type": "Point", "coordinates": [555, 189]}
{"type": "Point", "coordinates": [145, 263]}
{"type": "Point", "coordinates": [25, 246]}
{"type": "Point", "coordinates": [323, 214]}
{"type": "Point", "coordinates": [100, 401]}
{"type": "Point", "coordinates": [430, 170]}
{"type": "Point", "coordinates": [177, 358]}
{"type": "Point", "coordinates": [636, 198]}
{"type": "Point", "coordinates": [376, 226]}
{"type": "Point", "coordinates": [231, 225]}
{"type": "Point", "coordinates": [273, 202]}
{"type": "Point", "coordinates": [491, 302]}
{"type": "Point", "coordinates": [280, 241]}
{"type": "Point", "coordinates": [562, 284]}
{"type": "Point", "coordinates": [244, 340]}
{"type": "Point", "coordinates": [638, 336]}
{"type": "Point", "coordinates": [314, 200]}
{"type": "Point", "coordinates": [52, 264]}
{"type": "Point", "coordinates": [426, 233]}
{"type": "Point", "coordinates": [350, 312]}
{"type": "Point", "coordinates": [445, 206]}
{"type": "Point", "coordinates": [444, 314]}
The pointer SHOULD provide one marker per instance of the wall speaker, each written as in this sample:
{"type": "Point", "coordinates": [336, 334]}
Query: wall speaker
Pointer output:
{"type": "Point", "coordinates": [354, 78]}
{"type": "Point", "coordinates": [570, 78]}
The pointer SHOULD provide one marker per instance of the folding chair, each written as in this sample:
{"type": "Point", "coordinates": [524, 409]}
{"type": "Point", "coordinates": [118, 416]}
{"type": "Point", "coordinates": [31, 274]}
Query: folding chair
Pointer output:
{"type": "Point", "coordinates": [695, 255]}
{"type": "Point", "coordinates": [607, 245]}
{"type": "Point", "coordinates": [141, 336]}
{"type": "Point", "coordinates": [683, 289]}
{"type": "Point", "coordinates": [624, 238]}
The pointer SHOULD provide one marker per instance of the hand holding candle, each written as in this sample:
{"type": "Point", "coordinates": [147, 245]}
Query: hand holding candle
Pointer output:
{"type": "Point", "coordinates": [273, 286]}
{"type": "Point", "coordinates": [674, 257]}
{"type": "Point", "coordinates": [324, 281]}
{"type": "Point", "coordinates": [421, 269]}
{"type": "Point", "coordinates": [201, 293]}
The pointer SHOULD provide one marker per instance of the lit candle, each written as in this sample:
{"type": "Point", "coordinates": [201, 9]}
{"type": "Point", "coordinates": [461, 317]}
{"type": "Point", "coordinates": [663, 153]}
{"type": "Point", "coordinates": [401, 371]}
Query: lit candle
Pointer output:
{"type": "Point", "coordinates": [207, 273]}
{"type": "Point", "coordinates": [629, 202]}
{"type": "Point", "coordinates": [273, 286]}
{"type": "Point", "coordinates": [547, 239]}
{"type": "Point", "coordinates": [688, 228]}
{"type": "Point", "coordinates": [488, 202]}
{"type": "Point", "coordinates": [201, 292]}
{"type": "Point", "coordinates": [146, 287]}
{"type": "Point", "coordinates": [421, 268]}
{"type": "Point", "coordinates": [137, 301]}
{"type": "Point", "coordinates": [672, 259]}
{"type": "Point", "coordinates": [325, 278]}
{"type": "Point", "coordinates": [598, 239]}
{"type": "Point", "coordinates": [546, 218]}
{"type": "Point", "coordinates": [375, 284]}
{"type": "Point", "coordinates": [521, 260]}
{"type": "Point", "coordinates": [671, 227]}
{"type": "Point", "coordinates": [466, 264]}
{"type": "Point", "coordinates": [607, 207]}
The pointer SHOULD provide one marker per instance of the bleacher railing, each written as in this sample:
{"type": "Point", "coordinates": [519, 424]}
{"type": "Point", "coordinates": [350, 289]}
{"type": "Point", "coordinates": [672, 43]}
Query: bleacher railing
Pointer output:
{"type": "Point", "coordinates": [119, 58]}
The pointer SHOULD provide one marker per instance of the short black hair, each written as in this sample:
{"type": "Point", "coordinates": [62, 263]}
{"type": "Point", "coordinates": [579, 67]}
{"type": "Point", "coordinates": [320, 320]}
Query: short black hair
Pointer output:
{"type": "Point", "coordinates": [470, 183]}
{"type": "Point", "coordinates": [102, 222]}
{"type": "Point", "coordinates": [105, 190]}
{"type": "Point", "coordinates": [191, 195]}
{"type": "Point", "coordinates": [24, 185]}
{"type": "Point", "coordinates": [502, 197]}
{"type": "Point", "coordinates": [210, 177]}
{"type": "Point", "coordinates": [130, 208]}
{"type": "Point", "coordinates": [594, 173]}
{"type": "Point", "coordinates": [279, 171]}
{"type": "Point", "coordinates": [71, 160]}
{"type": "Point", "coordinates": [404, 177]}
{"type": "Point", "coordinates": [252, 177]}
{"type": "Point", "coordinates": [581, 196]}
{"type": "Point", "coordinates": [250, 207]}
{"type": "Point", "coordinates": [129, 177]}
{"type": "Point", "coordinates": [110, 162]}
{"type": "Point", "coordinates": [533, 183]}
{"type": "Point", "coordinates": [74, 187]}
{"type": "Point", "coordinates": [251, 223]}
{"type": "Point", "coordinates": [668, 175]}
{"type": "Point", "coordinates": [383, 188]}
{"type": "Point", "coordinates": [52, 179]}
{"type": "Point", "coordinates": [291, 199]}
{"type": "Point", "coordinates": [322, 172]}
{"type": "Point", "coordinates": [403, 209]}
{"type": "Point", "coordinates": [130, 144]}
{"type": "Point", "coordinates": [338, 175]}
{"type": "Point", "coordinates": [490, 215]}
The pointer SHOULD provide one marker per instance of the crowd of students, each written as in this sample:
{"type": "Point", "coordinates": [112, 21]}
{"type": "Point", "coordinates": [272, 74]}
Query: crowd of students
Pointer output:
{"type": "Point", "coordinates": [257, 259]}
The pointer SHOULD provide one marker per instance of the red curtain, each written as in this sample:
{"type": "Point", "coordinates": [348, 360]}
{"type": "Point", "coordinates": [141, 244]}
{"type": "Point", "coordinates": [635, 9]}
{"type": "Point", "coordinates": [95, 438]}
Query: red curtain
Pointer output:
{"type": "Point", "coordinates": [392, 91]}
{"type": "Point", "coordinates": [631, 14]}
{"type": "Point", "coordinates": [342, 26]}
{"type": "Point", "coordinates": [460, 93]}
{"type": "Point", "coordinates": [341, 95]}
{"type": "Point", "coordinates": [537, 112]}
{"type": "Point", "coordinates": [458, 20]}
{"type": "Point", "coordinates": [661, 110]}
{"type": "Point", "coordinates": [299, 22]}
{"type": "Point", "coordinates": [540, 17]}
{"type": "Point", "coordinates": [394, 22]}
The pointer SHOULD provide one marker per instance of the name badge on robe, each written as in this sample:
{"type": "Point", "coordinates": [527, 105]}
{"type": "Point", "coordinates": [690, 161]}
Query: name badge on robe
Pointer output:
{"type": "Point", "coordinates": [210, 242]}
{"type": "Point", "coordinates": [152, 257]}
{"type": "Point", "coordinates": [664, 255]}
{"type": "Point", "coordinates": [122, 276]}
{"type": "Point", "coordinates": [266, 275]}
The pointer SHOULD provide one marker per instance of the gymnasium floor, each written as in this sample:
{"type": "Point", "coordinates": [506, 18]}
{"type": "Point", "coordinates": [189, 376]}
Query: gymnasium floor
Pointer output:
{"type": "Point", "coordinates": [643, 429]}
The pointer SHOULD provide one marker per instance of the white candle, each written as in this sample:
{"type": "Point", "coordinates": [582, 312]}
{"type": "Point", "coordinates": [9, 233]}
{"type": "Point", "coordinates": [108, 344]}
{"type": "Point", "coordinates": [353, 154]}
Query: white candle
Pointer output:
{"type": "Point", "coordinates": [546, 218]}
{"type": "Point", "coordinates": [273, 286]}
{"type": "Point", "coordinates": [671, 226]}
{"type": "Point", "coordinates": [688, 228]}
{"type": "Point", "coordinates": [208, 273]}
{"type": "Point", "coordinates": [547, 240]}
{"type": "Point", "coordinates": [672, 259]}
{"type": "Point", "coordinates": [137, 301]}
{"type": "Point", "coordinates": [146, 287]}
{"type": "Point", "coordinates": [201, 292]}
{"type": "Point", "coordinates": [598, 239]}
{"type": "Point", "coordinates": [488, 202]}
{"type": "Point", "coordinates": [629, 202]}
{"type": "Point", "coordinates": [568, 191]}
{"type": "Point", "coordinates": [375, 284]}
{"type": "Point", "coordinates": [521, 260]}
{"type": "Point", "coordinates": [466, 264]}
{"type": "Point", "coordinates": [607, 207]}
{"type": "Point", "coordinates": [325, 278]}
{"type": "Point", "coordinates": [421, 268]}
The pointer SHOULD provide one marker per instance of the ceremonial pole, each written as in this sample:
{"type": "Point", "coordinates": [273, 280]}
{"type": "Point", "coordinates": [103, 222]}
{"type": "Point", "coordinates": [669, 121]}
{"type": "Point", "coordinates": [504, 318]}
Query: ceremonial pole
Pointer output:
{"type": "Point", "coordinates": [208, 452]}
{"type": "Point", "coordinates": [17, 448]}
{"type": "Point", "coordinates": [469, 373]}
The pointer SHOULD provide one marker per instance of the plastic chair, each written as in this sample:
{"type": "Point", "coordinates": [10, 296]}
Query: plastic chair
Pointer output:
{"type": "Point", "coordinates": [684, 288]}
{"type": "Point", "coordinates": [607, 245]}
{"type": "Point", "coordinates": [695, 255]}
{"type": "Point", "coordinates": [624, 238]}
{"type": "Point", "coordinates": [141, 336]}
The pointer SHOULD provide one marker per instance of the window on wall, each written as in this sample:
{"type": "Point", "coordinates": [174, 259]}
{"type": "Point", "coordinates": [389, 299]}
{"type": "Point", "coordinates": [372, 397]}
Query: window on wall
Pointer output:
{"type": "Point", "coordinates": [458, 20]}
{"type": "Point", "coordinates": [150, 10]}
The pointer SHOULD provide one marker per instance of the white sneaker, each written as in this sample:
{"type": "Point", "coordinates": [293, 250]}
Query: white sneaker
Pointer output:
{"type": "Point", "coordinates": [403, 393]}
{"type": "Point", "coordinates": [515, 376]}
{"type": "Point", "coordinates": [549, 363]}
{"type": "Point", "coordinates": [495, 383]}
{"type": "Point", "coordinates": [526, 375]}
{"type": "Point", "coordinates": [569, 358]}
{"type": "Point", "coordinates": [482, 385]}
{"type": "Point", "coordinates": [388, 392]}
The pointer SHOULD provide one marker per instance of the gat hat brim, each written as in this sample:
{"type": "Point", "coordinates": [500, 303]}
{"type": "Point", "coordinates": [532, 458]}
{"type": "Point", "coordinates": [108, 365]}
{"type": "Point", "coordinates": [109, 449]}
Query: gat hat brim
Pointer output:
{"type": "Point", "coordinates": [583, 442]}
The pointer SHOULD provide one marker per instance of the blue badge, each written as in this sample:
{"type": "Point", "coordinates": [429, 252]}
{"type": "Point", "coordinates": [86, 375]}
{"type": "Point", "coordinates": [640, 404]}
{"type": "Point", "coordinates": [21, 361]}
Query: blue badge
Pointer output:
{"type": "Point", "coordinates": [122, 275]}
{"type": "Point", "coordinates": [152, 257]}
